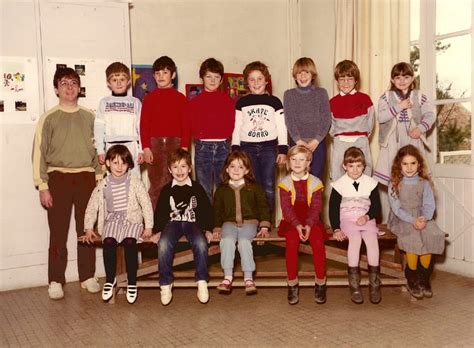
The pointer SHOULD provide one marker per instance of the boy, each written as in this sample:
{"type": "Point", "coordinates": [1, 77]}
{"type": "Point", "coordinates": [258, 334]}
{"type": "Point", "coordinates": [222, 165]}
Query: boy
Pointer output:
{"type": "Point", "coordinates": [260, 127]}
{"type": "Point", "coordinates": [352, 118]}
{"type": "Point", "coordinates": [118, 117]}
{"type": "Point", "coordinates": [65, 169]}
{"type": "Point", "coordinates": [164, 125]}
{"type": "Point", "coordinates": [183, 209]}
{"type": "Point", "coordinates": [212, 119]}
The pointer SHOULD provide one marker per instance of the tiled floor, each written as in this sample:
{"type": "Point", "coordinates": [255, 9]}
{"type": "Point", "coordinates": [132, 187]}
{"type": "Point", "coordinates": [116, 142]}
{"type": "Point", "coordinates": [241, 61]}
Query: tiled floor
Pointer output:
{"type": "Point", "coordinates": [29, 318]}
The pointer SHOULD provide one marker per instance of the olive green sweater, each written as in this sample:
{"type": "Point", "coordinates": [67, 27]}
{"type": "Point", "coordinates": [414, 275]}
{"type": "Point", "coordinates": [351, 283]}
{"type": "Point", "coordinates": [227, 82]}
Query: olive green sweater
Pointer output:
{"type": "Point", "coordinates": [245, 204]}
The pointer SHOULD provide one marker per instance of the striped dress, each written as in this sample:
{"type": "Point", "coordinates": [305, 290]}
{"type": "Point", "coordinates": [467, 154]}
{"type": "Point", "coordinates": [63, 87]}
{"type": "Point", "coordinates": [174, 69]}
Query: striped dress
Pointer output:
{"type": "Point", "coordinates": [116, 225]}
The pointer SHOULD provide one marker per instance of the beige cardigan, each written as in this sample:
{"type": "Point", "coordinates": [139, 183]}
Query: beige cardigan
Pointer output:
{"type": "Point", "coordinates": [138, 209]}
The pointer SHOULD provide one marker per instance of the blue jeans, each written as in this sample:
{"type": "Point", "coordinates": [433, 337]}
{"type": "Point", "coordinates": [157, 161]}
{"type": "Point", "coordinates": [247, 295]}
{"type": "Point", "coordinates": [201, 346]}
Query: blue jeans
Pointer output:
{"type": "Point", "coordinates": [263, 156]}
{"type": "Point", "coordinates": [318, 162]}
{"type": "Point", "coordinates": [168, 240]}
{"type": "Point", "coordinates": [232, 234]}
{"type": "Point", "coordinates": [209, 159]}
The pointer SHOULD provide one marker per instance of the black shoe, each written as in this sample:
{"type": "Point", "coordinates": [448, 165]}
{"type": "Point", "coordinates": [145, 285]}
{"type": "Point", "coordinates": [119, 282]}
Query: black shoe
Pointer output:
{"type": "Point", "coordinates": [424, 275]}
{"type": "Point", "coordinates": [374, 284]}
{"type": "Point", "coordinates": [354, 285]}
{"type": "Point", "coordinates": [320, 293]}
{"type": "Point", "coordinates": [293, 292]}
{"type": "Point", "coordinates": [413, 283]}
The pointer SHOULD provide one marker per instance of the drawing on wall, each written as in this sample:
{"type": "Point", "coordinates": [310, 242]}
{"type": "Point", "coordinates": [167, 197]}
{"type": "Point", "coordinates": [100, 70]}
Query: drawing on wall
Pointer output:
{"type": "Point", "coordinates": [80, 69]}
{"type": "Point", "coordinates": [20, 105]}
{"type": "Point", "coordinates": [193, 89]}
{"type": "Point", "coordinates": [142, 81]}
{"type": "Point", "coordinates": [61, 66]}
{"type": "Point", "coordinates": [234, 85]}
{"type": "Point", "coordinates": [2, 108]}
{"type": "Point", "coordinates": [13, 77]}
{"type": "Point", "coordinates": [82, 92]}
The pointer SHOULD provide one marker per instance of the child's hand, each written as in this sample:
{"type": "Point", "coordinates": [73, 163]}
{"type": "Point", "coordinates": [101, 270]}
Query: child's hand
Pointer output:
{"type": "Point", "coordinates": [148, 156]}
{"type": "Point", "coordinates": [147, 233]}
{"type": "Point", "coordinates": [101, 159]}
{"type": "Point", "coordinates": [405, 104]}
{"type": "Point", "coordinates": [420, 223]}
{"type": "Point", "coordinates": [46, 199]}
{"type": "Point", "coordinates": [208, 236]}
{"type": "Point", "coordinates": [281, 159]}
{"type": "Point", "coordinates": [263, 233]}
{"type": "Point", "coordinates": [415, 133]}
{"type": "Point", "coordinates": [302, 233]}
{"type": "Point", "coordinates": [88, 237]}
{"type": "Point", "coordinates": [216, 233]}
{"type": "Point", "coordinates": [361, 221]}
{"type": "Point", "coordinates": [313, 144]}
{"type": "Point", "coordinates": [140, 158]}
{"type": "Point", "coordinates": [339, 235]}
{"type": "Point", "coordinates": [155, 238]}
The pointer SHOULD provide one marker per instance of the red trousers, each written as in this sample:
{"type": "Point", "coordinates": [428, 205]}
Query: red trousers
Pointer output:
{"type": "Point", "coordinates": [68, 190]}
{"type": "Point", "coordinates": [316, 240]}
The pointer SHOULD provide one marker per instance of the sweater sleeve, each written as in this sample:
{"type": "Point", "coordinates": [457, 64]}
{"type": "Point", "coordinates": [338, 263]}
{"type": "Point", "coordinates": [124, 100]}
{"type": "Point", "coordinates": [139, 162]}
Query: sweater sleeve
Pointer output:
{"type": "Point", "coordinates": [386, 111]}
{"type": "Point", "coordinates": [219, 207]}
{"type": "Point", "coordinates": [290, 112]}
{"type": "Point", "coordinates": [162, 210]}
{"type": "Point", "coordinates": [40, 149]}
{"type": "Point", "coordinates": [185, 121]}
{"type": "Point", "coordinates": [237, 126]}
{"type": "Point", "coordinates": [145, 203]}
{"type": "Point", "coordinates": [138, 113]}
{"type": "Point", "coordinates": [90, 216]}
{"type": "Point", "coordinates": [263, 212]}
{"type": "Point", "coordinates": [370, 119]}
{"type": "Point", "coordinates": [315, 208]}
{"type": "Point", "coordinates": [335, 209]}
{"type": "Point", "coordinates": [428, 117]}
{"type": "Point", "coordinates": [428, 208]}
{"type": "Point", "coordinates": [287, 208]}
{"type": "Point", "coordinates": [375, 207]}
{"type": "Point", "coordinates": [281, 128]}
{"type": "Point", "coordinates": [99, 129]}
{"type": "Point", "coordinates": [324, 115]}
{"type": "Point", "coordinates": [396, 207]}
{"type": "Point", "coordinates": [205, 218]}
{"type": "Point", "coordinates": [145, 120]}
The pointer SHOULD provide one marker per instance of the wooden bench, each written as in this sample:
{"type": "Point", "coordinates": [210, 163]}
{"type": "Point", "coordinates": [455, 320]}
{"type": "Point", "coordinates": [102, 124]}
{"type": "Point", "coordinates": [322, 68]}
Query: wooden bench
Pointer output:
{"type": "Point", "coordinates": [390, 264]}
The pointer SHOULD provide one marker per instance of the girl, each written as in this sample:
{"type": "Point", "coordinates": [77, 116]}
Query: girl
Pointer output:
{"type": "Point", "coordinates": [307, 114]}
{"type": "Point", "coordinates": [353, 206]}
{"type": "Point", "coordinates": [301, 202]}
{"type": "Point", "coordinates": [241, 213]}
{"type": "Point", "coordinates": [412, 207]}
{"type": "Point", "coordinates": [260, 127]}
{"type": "Point", "coordinates": [405, 115]}
{"type": "Point", "coordinates": [120, 203]}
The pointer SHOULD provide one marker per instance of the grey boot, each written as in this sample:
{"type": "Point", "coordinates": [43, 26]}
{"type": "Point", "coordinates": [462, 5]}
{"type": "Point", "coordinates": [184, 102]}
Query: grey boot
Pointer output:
{"type": "Point", "coordinates": [293, 294]}
{"type": "Point", "coordinates": [354, 284]}
{"type": "Point", "coordinates": [413, 283]}
{"type": "Point", "coordinates": [424, 275]}
{"type": "Point", "coordinates": [374, 284]}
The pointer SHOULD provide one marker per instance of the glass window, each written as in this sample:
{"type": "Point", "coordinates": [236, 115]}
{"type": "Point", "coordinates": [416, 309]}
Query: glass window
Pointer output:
{"type": "Point", "coordinates": [453, 67]}
{"type": "Point", "coordinates": [414, 20]}
{"type": "Point", "coordinates": [452, 16]}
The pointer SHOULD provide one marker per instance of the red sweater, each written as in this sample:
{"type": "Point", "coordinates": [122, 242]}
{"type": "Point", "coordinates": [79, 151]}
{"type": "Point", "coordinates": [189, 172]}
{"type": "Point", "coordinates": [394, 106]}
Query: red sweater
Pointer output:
{"type": "Point", "coordinates": [164, 114]}
{"type": "Point", "coordinates": [293, 214]}
{"type": "Point", "coordinates": [212, 115]}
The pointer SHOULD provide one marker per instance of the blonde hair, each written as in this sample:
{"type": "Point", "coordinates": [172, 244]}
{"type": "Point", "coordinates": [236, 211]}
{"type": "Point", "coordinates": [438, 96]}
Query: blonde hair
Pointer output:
{"type": "Point", "coordinates": [297, 149]}
{"type": "Point", "coordinates": [305, 64]}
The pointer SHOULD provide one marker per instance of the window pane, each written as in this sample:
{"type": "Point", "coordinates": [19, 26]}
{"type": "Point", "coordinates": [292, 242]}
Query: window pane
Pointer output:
{"type": "Point", "coordinates": [452, 16]}
{"type": "Point", "coordinates": [414, 20]}
{"type": "Point", "coordinates": [453, 67]}
{"type": "Point", "coordinates": [454, 133]}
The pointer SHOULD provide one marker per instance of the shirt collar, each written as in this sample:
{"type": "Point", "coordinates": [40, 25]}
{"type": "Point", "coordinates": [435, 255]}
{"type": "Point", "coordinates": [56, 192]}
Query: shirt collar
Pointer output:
{"type": "Point", "coordinates": [352, 92]}
{"type": "Point", "coordinates": [186, 182]}
{"type": "Point", "coordinates": [294, 178]}
{"type": "Point", "coordinates": [237, 183]}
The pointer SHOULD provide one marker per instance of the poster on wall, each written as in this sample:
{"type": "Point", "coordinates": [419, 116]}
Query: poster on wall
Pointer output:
{"type": "Point", "coordinates": [142, 81]}
{"type": "Point", "coordinates": [19, 93]}
{"type": "Point", "coordinates": [92, 75]}
{"type": "Point", "coordinates": [193, 89]}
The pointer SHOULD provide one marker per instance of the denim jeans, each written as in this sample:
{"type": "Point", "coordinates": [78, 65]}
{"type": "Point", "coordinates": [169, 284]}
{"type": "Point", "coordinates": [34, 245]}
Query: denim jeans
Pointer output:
{"type": "Point", "coordinates": [209, 159]}
{"type": "Point", "coordinates": [243, 235]}
{"type": "Point", "coordinates": [168, 240]}
{"type": "Point", "coordinates": [263, 156]}
{"type": "Point", "coordinates": [318, 161]}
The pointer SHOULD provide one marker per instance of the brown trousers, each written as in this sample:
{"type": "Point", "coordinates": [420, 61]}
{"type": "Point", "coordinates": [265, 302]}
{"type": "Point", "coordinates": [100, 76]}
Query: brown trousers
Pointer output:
{"type": "Point", "coordinates": [68, 190]}
{"type": "Point", "coordinates": [158, 173]}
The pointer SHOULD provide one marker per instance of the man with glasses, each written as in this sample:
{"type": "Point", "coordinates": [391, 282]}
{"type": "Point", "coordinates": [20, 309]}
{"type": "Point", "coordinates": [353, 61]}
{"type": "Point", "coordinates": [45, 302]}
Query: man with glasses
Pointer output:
{"type": "Point", "coordinates": [65, 169]}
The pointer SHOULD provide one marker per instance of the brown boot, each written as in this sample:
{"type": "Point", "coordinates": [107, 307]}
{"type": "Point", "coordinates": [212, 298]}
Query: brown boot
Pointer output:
{"type": "Point", "coordinates": [374, 284]}
{"type": "Point", "coordinates": [413, 283]}
{"type": "Point", "coordinates": [354, 284]}
{"type": "Point", "coordinates": [293, 294]}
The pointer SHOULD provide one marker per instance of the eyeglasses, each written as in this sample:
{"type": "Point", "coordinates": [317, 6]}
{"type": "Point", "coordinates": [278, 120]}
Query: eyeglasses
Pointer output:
{"type": "Point", "coordinates": [69, 83]}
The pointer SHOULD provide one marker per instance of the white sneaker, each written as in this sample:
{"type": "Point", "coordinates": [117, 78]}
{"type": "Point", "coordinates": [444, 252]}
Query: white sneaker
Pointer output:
{"type": "Point", "coordinates": [203, 292]}
{"type": "Point", "coordinates": [55, 291]}
{"type": "Point", "coordinates": [166, 294]}
{"type": "Point", "coordinates": [92, 285]}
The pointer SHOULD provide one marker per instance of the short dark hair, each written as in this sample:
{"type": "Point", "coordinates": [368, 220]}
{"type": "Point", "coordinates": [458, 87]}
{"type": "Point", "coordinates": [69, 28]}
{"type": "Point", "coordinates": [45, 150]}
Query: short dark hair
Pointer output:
{"type": "Point", "coordinates": [117, 68]}
{"type": "Point", "coordinates": [353, 155]}
{"type": "Point", "coordinates": [347, 68]}
{"type": "Point", "coordinates": [65, 72]}
{"type": "Point", "coordinates": [211, 65]}
{"type": "Point", "coordinates": [164, 62]}
{"type": "Point", "coordinates": [178, 155]}
{"type": "Point", "coordinates": [122, 152]}
{"type": "Point", "coordinates": [257, 65]}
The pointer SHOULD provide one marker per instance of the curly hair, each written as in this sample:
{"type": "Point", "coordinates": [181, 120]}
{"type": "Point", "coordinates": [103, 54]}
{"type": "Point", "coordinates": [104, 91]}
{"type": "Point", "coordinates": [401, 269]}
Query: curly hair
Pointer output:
{"type": "Point", "coordinates": [397, 175]}
{"type": "Point", "coordinates": [246, 162]}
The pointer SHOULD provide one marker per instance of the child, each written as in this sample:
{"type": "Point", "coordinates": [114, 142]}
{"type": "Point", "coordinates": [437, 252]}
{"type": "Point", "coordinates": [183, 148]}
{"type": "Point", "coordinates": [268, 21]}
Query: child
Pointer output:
{"type": "Point", "coordinates": [307, 115]}
{"type": "Point", "coordinates": [260, 127]}
{"type": "Point", "coordinates": [412, 207]}
{"type": "Point", "coordinates": [405, 115]}
{"type": "Point", "coordinates": [183, 209]}
{"type": "Point", "coordinates": [301, 203]}
{"type": "Point", "coordinates": [352, 118]}
{"type": "Point", "coordinates": [353, 206]}
{"type": "Point", "coordinates": [240, 211]}
{"type": "Point", "coordinates": [164, 125]}
{"type": "Point", "coordinates": [212, 117]}
{"type": "Point", "coordinates": [118, 117]}
{"type": "Point", "coordinates": [120, 204]}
